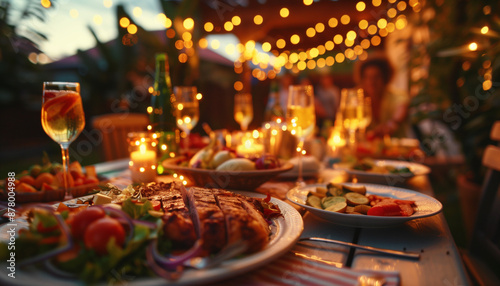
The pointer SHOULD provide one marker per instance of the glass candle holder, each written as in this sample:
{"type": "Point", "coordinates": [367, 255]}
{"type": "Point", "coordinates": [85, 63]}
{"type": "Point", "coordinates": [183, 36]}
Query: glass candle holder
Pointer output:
{"type": "Point", "coordinates": [251, 146]}
{"type": "Point", "coordinates": [142, 164]}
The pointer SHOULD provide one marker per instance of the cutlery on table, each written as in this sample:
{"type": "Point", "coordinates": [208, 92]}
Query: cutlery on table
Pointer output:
{"type": "Point", "coordinates": [405, 254]}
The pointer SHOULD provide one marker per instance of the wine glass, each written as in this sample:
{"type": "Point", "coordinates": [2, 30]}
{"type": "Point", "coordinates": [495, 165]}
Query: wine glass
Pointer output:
{"type": "Point", "coordinates": [300, 118]}
{"type": "Point", "coordinates": [243, 109]}
{"type": "Point", "coordinates": [352, 111]}
{"type": "Point", "coordinates": [62, 118]}
{"type": "Point", "coordinates": [367, 117]}
{"type": "Point", "coordinates": [187, 112]}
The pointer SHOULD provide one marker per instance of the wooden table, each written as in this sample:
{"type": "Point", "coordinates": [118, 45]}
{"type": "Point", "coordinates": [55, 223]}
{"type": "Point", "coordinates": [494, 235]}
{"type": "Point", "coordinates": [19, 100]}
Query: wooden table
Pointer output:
{"type": "Point", "coordinates": [439, 264]}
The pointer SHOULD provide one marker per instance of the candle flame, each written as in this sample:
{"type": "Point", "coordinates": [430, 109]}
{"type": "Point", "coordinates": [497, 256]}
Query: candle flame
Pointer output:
{"type": "Point", "coordinates": [142, 148]}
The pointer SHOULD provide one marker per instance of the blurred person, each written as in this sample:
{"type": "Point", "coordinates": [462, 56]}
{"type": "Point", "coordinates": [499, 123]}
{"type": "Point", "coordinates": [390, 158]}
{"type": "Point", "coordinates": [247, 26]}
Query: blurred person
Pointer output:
{"type": "Point", "coordinates": [326, 100]}
{"type": "Point", "coordinates": [285, 81]}
{"type": "Point", "coordinates": [389, 107]}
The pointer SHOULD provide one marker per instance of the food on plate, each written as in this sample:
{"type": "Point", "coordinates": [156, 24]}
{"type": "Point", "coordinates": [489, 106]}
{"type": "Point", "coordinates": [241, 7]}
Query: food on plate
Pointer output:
{"type": "Point", "coordinates": [352, 199]}
{"type": "Point", "coordinates": [237, 164]}
{"type": "Point", "coordinates": [155, 228]}
{"type": "Point", "coordinates": [50, 177]}
{"type": "Point", "coordinates": [369, 165]}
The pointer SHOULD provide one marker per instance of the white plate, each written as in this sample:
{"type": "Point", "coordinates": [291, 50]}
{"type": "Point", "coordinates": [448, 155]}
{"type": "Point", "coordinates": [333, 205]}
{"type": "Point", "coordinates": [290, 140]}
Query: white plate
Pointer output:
{"type": "Point", "coordinates": [425, 206]}
{"type": "Point", "coordinates": [285, 232]}
{"type": "Point", "coordinates": [385, 178]}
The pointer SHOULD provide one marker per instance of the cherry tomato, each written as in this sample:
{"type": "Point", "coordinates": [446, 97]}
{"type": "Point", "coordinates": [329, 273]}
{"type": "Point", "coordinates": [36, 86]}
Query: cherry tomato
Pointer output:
{"type": "Point", "coordinates": [81, 220]}
{"type": "Point", "coordinates": [101, 231]}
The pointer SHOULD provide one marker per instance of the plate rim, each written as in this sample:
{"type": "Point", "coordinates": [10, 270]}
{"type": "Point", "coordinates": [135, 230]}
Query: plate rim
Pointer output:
{"type": "Point", "coordinates": [423, 170]}
{"type": "Point", "coordinates": [367, 221]}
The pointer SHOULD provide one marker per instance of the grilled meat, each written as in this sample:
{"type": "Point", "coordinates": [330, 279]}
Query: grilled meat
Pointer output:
{"type": "Point", "coordinates": [243, 222]}
{"type": "Point", "coordinates": [179, 227]}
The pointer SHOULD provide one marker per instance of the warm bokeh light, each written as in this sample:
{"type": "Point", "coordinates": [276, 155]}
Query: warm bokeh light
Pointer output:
{"type": "Point", "coordinates": [310, 32]}
{"type": "Point", "coordinates": [284, 12]}
{"type": "Point", "coordinates": [351, 35]}
{"type": "Point", "coordinates": [382, 23]}
{"type": "Point", "coordinates": [295, 39]}
{"type": "Point", "coordinates": [124, 22]}
{"type": "Point", "coordinates": [320, 27]}
{"type": "Point", "coordinates": [307, 2]}
{"type": "Point", "coordinates": [345, 19]}
{"type": "Point", "coordinates": [258, 19]}
{"type": "Point", "coordinates": [209, 27]}
{"type": "Point", "coordinates": [473, 46]}
{"type": "Point", "coordinates": [391, 13]}
{"type": "Point", "coordinates": [360, 6]}
{"type": "Point", "coordinates": [333, 22]}
{"type": "Point", "coordinates": [376, 40]}
{"type": "Point", "coordinates": [188, 23]}
{"type": "Point", "coordinates": [376, 3]}
{"type": "Point", "coordinates": [266, 46]}
{"type": "Point", "coordinates": [338, 39]}
{"type": "Point", "coordinates": [238, 85]}
{"type": "Point", "coordinates": [132, 29]}
{"type": "Point", "coordinates": [228, 26]}
{"type": "Point", "coordinates": [280, 43]}
{"type": "Point", "coordinates": [363, 24]}
{"type": "Point", "coordinates": [485, 29]}
{"type": "Point", "coordinates": [203, 43]}
{"type": "Point", "coordinates": [46, 3]}
{"type": "Point", "coordinates": [236, 20]}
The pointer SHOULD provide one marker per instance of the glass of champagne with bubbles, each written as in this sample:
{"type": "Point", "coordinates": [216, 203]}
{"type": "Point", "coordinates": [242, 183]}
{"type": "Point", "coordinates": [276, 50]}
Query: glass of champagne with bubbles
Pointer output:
{"type": "Point", "coordinates": [243, 109]}
{"type": "Point", "coordinates": [352, 111]}
{"type": "Point", "coordinates": [187, 112]}
{"type": "Point", "coordinates": [300, 118]}
{"type": "Point", "coordinates": [63, 118]}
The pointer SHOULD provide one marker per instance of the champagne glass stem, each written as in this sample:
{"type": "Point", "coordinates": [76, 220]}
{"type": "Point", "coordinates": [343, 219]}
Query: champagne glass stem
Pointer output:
{"type": "Point", "coordinates": [186, 143]}
{"type": "Point", "coordinates": [300, 179]}
{"type": "Point", "coordinates": [65, 161]}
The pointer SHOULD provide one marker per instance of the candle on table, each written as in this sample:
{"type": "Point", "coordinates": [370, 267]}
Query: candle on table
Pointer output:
{"type": "Point", "coordinates": [250, 149]}
{"type": "Point", "coordinates": [143, 165]}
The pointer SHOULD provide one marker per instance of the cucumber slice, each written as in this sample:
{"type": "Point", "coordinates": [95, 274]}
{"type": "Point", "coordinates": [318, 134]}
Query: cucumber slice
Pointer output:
{"type": "Point", "coordinates": [314, 201]}
{"type": "Point", "coordinates": [355, 199]}
{"type": "Point", "coordinates": [328, 201]}
{"type": "Point", "coordinates": [334, 190]}
{"type": "Point", "coordinates": [339, 207]}
{"type": "Point", "coordinates": [360, 189]}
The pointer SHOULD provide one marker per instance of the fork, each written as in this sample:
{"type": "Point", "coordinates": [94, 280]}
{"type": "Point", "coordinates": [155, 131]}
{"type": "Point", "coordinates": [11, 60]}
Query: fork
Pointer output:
{"type": "Point", "coordinates": [227, 252]}
{"type": "Point", "coordinates": [411, 255]}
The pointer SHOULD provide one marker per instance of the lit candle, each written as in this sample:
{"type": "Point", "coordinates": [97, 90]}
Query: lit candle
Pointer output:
{"type": "Point", "coordinates": [143, 165]}
{"type": "Point", "coordinates": [250, 149]}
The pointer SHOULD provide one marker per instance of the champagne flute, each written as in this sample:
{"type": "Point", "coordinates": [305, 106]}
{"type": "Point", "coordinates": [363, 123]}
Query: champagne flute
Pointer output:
{"type": "Point", "coordinates": [63, 118]}
{"type": "Point", "coordinates": [243, 110]}
{"type": "Point", "coordinates": [367, 117]}
{"type": "Point", "coordinates": [352, 111]}
{"type": "Point", "coordinates": [301, 118]}
{"type": "Point", "coordinates": [187, 112]}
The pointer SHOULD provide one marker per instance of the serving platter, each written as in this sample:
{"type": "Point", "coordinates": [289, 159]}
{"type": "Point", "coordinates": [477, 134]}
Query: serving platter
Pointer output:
{"type": "Point", "coordinates": [425, 206]}
{"type": "Point", "coordinates": [236, 180]}
{"type": "Point", "coordinates": [385, 178]}
{"type": "Point", "coordinates": [285, 232]}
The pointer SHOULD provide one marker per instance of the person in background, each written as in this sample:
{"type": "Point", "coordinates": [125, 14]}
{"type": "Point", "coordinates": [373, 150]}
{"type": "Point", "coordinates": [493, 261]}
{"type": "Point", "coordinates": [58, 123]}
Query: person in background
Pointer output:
{"type": "Point", "coordinates": [285, 81]}
{"type": "Point", "coordinates": [389, 108]}
{"type": "Point", "coordinates": [326, 100]}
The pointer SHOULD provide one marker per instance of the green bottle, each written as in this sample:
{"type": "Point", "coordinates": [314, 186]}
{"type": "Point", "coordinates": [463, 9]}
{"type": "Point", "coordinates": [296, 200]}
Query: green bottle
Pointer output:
{"type": "Point", "coordinates": [161, 117]}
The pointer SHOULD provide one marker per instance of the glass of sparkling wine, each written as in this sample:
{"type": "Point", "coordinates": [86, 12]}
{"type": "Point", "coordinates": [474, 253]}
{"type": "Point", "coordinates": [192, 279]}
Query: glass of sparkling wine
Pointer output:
{"type": "Point", "coordinates": [187, 112]}
{"type": "Point", "coordinates": [243, 109]}
{"type": "Point", "coordinates": [352, 111]}
{"type": "Point", "coordinates": [367, 117]}
{"type": "Point", "coordinates": [62, 118]}
{"type": "Point", "coordinates": [300, 118]}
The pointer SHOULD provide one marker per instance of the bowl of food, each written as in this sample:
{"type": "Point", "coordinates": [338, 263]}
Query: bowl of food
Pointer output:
{"type": "Point", "coordinates": [224, 169]}
{"type": "Point", "coordinates": [44, 183]}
